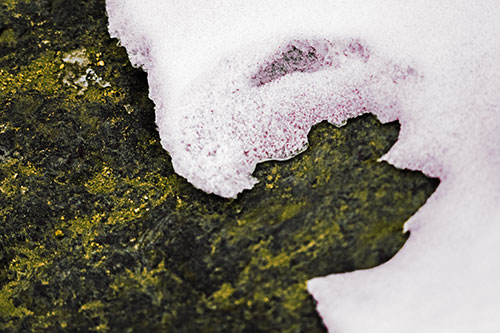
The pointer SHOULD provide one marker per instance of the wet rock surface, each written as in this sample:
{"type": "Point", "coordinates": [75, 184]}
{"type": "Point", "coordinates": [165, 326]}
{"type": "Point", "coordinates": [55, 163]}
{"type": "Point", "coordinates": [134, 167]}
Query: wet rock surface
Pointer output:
{"type": "Point", "coordinates": [97, 233]}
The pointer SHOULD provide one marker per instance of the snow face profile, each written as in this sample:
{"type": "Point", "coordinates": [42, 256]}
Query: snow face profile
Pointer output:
{"type": "Point", "coordinates": [245, 109]}
{"type": "Point", "coordinates": [237, 82]}
{"type": "Point", "coordinates": [232, 120]}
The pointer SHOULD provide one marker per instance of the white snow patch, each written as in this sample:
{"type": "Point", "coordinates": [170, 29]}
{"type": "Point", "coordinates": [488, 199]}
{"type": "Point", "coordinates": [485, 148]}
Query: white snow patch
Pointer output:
{"type": "Point", "coordinates": [433, 65]}
{"type": "Point", "coordinates": [78, 57]}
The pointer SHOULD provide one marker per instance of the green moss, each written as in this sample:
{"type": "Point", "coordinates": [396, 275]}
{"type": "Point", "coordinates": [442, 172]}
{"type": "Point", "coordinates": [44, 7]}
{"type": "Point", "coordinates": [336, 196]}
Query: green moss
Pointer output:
{"type": "Point", "coordinates": [7, 38]}
{"type": "Point", "coordinates": [97, 233]}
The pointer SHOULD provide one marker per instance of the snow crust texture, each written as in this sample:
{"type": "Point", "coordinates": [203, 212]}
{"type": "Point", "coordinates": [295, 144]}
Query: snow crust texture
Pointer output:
{"type": "Point", "coordinates": [237, 82]}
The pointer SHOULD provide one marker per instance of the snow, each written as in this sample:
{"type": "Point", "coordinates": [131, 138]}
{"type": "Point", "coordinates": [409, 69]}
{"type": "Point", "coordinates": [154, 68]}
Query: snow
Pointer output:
{"type": "Point", "coordinates": [432, 65]}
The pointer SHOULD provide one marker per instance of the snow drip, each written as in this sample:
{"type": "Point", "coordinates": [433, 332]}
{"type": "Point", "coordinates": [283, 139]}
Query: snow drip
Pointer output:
{"type": "Point", "coordinates": [239, 82]}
